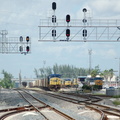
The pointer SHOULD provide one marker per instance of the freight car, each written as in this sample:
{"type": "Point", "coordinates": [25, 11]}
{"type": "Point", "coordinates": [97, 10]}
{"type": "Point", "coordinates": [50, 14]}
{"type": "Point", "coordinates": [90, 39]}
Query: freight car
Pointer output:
{"type": "Point", "coordinates": [51, 82]}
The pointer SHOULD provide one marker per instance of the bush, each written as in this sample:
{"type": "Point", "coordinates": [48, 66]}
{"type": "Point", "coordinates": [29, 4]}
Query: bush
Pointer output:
{"type": "Point", "coordinates": [116, 102]}
{"type": "Point", "coordinates": [6, 82]}
{"type": "Point", "coordinates": [87, 87]}
{"type": "Point", "coordinates": [117, 96]}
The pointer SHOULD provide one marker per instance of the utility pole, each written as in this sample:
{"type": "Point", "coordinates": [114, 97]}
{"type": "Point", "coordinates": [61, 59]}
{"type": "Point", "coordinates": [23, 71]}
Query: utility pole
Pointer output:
{"type": "Point", "coordinates": [119, 67]}
{"type": "Point", "coordinates": [20, 79]}
{"type": "Point", "coordinates": [44, 62]}
{"type": "Point", "coordinates": [3, 41]}
{"type": "Point", "coordinates": [90, 53]}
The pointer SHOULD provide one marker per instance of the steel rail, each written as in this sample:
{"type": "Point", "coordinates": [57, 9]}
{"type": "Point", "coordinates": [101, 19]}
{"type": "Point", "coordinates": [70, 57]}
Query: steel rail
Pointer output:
{"type": "Point", "coordinates": [54, 109]}
{"type": "Point", "coordinates": [13, 109]}
{"type": "Point", "coordinates": [88, 104]}
{"type": "Point", "coordinates": [17, 110]}
{"type": "Point", "coordinates": [35, 108]}
{"type": "Point", "coordinates": [92, 98]}
{"type": "Point", "coordinates": [103, 116]}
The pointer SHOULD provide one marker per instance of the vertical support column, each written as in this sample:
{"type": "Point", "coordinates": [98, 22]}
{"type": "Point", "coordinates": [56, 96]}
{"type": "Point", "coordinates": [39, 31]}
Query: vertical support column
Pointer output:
{"type": "Point", "coordinates": [84, 22]}
{"type": "Point", "coordinates": [3, 42]}
{"type": "Point", "coordinates": [54, 21]}
{"type": "Point", "coordinates": [20, 80]}
{"type": "Point", "coordinates": [90, 53]}
{"type": "Point", "coordinates": [44, 62]}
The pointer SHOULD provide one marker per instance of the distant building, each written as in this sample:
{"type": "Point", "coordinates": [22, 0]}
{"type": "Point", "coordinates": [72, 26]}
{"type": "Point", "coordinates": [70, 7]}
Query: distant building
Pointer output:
{"type": "Point", "coordinates": [114, 79]}
{"type": "Point", "coordinates": [113, 82]}
{"type": "Point", "coordinates": [19, 81]}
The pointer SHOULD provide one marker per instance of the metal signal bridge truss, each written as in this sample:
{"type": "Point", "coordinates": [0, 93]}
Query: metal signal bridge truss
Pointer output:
{"type": "Point", "coordinates": [78, 30]}
{"type": "Point", "coordinates": [14, 45]}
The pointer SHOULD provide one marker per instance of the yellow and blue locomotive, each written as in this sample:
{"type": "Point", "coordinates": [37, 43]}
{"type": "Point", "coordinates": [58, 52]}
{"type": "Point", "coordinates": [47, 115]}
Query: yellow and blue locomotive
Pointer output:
{"type": "Point", "coordinates": [51, 82]}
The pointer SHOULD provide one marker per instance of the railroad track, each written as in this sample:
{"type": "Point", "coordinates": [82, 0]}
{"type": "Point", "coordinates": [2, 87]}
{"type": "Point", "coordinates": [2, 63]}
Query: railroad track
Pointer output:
{"type": "Point", "coordinates": [102, 109]}
{"type": "Point", "coordinates": [36, 105]}
{"type": "Point", "coordinates": [13, 111]}
{"type": "Point", "coordinates": [95, 98]}
{"type": "Point", "coordinates": [91, 98]}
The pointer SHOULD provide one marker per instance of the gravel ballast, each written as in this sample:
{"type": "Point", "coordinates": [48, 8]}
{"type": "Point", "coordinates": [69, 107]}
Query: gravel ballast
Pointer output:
{"type": "Point", "coordinates": [11, 99]}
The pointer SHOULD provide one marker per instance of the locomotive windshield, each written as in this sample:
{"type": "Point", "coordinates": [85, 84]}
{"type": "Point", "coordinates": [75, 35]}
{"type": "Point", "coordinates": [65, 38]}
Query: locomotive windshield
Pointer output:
{"type": "Point", "coordinates": [54, 75]}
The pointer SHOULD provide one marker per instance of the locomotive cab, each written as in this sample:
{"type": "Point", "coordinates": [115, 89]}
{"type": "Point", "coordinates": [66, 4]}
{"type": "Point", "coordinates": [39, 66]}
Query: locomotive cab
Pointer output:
{"type": "Point", "coordinates": [54, 81]}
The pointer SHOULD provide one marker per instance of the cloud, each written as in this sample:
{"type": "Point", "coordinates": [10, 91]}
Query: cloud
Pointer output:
{"type": "Point", "coordinates": [106, 54]}
{"type": "Point", "coordinates": [22, 17]}
{"type": "Point", "coordinates": [101, 8]}
{"type": "Point", "coordinates": [105, 8]}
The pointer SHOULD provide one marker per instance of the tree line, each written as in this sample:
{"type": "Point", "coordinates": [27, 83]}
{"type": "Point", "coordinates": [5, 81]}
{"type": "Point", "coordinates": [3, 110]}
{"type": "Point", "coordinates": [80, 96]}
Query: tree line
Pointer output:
{"type": "Point", "coordinates": [66, 71]}
{"type": "Point", "coordinates": [69, 71]}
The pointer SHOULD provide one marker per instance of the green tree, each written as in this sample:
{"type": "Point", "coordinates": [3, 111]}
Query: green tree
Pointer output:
{"type": "Point", "coordinates": [67, 71]}
{"type": "Point", "coordinates": [106, 75]}
{"type": "Point", "coordinates": [111, 74]}
{"type": "Point", "coordinates": [36, 73]}
{"type": "Point", "coordinates": [95, 72]}
{"type": "Point", "coordinates": [6, 82]}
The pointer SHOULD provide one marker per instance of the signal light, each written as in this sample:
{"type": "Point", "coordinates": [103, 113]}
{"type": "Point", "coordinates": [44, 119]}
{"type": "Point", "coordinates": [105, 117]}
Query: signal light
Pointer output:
{"type": "Point", "coordinates": [21, 38]}
{"type": "Point", "coordinates": [68, 32]}
{"type": "Point", "coordinates": [84, 10]}
{"type": "Point", "coordinates": [27, 38]}
{"type": "Point", "coordinates": [53, 33]}
{"type": "Point", "coordinates": [27, 48]}
{"type": "Point", "coordinates": [53, 18]}
{"type": "Point", "coordinates": [84, 20]}
{"type": "Point", "coordinates": [20, 48]}
{"type": "Point", "coordinates": [67, 18]}
{"type": "Point", "coordinates": [54, 6]}
{"type": "Point", "coordinates": [84, 33]}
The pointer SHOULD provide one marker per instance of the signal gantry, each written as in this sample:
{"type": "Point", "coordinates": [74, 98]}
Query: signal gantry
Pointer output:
{"type": "Point", "coordinates": [78, 30]}
{"type": "Point", "coordinates": [14, 45]}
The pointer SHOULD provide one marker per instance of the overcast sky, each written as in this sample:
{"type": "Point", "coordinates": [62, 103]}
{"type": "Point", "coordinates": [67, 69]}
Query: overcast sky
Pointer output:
{"type": "Point", "coordinates": [21, 18]}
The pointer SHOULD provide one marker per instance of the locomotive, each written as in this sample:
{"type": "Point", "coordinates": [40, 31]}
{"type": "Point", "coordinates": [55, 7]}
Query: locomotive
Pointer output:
{"type": "Point", "coordinates": [95, 81]}
{"type": "Point", "coordinates": [51, 82]}
{"type": "Point", "coordinates": [67, 82]}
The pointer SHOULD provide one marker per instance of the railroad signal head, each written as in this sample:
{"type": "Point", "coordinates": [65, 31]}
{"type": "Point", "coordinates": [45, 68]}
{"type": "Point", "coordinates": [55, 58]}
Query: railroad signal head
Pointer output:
{"type": "Point", "coordinates": [53, 18]}
{"type": "Point", "coordinates": [20, 48]}
{"type": "Point", "coordinates": [21, 39]}
{"type": "Point", "coordinates": [54, 5]}
{"type": "Point", "coordinates": [53, 33]}
{"type": "Point", "coordinates": [84, 20]}
{"type": "Point", "coordinates": [67, 18]}
{"type": "Point", "coordinates": [84, 33]}
{"type": "Point", "coordinates": [68, 32]}
{"type": "Point", "coordinates": [84, 10]}
{"type": "Point", "coordinates": [27, 38]}
{"type": "Point", "coordinates": [27, 48]}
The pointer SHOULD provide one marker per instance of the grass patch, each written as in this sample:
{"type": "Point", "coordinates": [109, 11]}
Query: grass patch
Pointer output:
{"type": "Point", "coordinates": [116, 102]}
{"type": "Point", "coordinates": [86, 91]}
{"type": "Point", "coordinates": [98, 94]}
{"type": "Point", "coordinates": [117, 96]}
